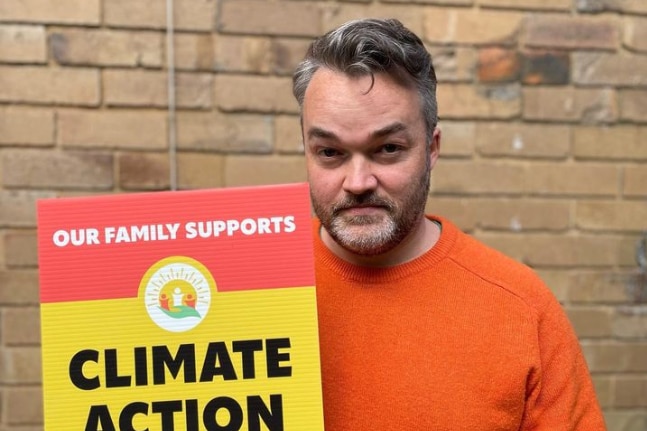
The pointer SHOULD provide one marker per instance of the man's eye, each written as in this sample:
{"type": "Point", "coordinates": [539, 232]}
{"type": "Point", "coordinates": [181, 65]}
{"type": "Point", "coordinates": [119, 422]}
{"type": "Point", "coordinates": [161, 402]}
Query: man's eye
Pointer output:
{"type": "Point", "coordinates": [390, 148]}
{"type": "Point", "coordinates": [328, 152]}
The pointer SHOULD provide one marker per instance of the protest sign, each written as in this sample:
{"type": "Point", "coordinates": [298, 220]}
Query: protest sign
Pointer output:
{"type": "Point", "coordinates": [191, 310]}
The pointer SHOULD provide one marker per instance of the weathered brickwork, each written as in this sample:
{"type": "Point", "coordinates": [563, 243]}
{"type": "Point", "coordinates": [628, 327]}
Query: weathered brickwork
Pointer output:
{"type": "Point", "coordinates": [542, 106]}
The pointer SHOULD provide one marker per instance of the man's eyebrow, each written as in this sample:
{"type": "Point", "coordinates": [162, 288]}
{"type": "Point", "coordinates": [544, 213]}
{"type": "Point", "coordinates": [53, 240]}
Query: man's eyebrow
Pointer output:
{"type": "Point", "coordinates": [389, 130]}
{"type": "Point", "coordinates": [318, 132]}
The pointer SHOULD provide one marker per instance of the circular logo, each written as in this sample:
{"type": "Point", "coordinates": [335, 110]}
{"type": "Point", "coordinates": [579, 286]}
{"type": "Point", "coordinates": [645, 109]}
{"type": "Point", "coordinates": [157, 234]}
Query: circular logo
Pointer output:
{"type": "Point", "coordinates": [177, 293]}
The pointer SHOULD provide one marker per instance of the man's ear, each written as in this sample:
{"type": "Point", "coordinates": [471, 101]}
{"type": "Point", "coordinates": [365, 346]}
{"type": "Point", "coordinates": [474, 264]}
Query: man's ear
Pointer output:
{"type": "Point", "coordinates": [434, 147]}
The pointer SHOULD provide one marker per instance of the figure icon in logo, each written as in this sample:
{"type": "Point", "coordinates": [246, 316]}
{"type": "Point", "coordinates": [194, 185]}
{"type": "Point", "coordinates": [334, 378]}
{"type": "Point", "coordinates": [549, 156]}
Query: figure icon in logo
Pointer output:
{"type": "Point", "coordinates": [178, 300]}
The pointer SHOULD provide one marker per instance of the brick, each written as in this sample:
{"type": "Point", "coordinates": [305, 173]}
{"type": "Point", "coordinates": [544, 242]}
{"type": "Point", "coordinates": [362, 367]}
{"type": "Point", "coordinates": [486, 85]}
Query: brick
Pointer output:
{"type": "Point", "coordinates": [610, 143]}
{"type": "Point", "coordinates": [224, 132]}
{"type": "Point", "coordinates": [635, 180]}
{"type": "Point", "coordinates": [570, 104]}
{"type": "Point", "coordinates": [188, 14]}
{"type": "Point", "coordinates": [571, 251]}
{"type": "Point", "coordinates": [457, 138]}
{"type": "Point", "coordinates": [483, 177]}
{"type": "Point", "coordinates": [26, 126]}
{"type": "Point", "coordinates": [631, 391]}
{"type": "Point", "coordinates": [609, 69]}
{"type": "Point", "coordinates": [598, 287]}
{"type": "Point", "coordinates": [65, 86]}
{"type": "Point", "coordinates": [498, 65]}
{"type": "Point", "coordinates": [255, 94]}
{"type": "Point", "coordinates": [522, 140]}
{"type": "Point", "coordinates": [23, 44]}
{"type": "Point", "coordinates": [21, 326]}
{"type": "Point", "coordinates": [558, 5]}
{"type": "Point", "coordinates": [571, 32]}
{"type": "Point", "coordinates": [438, 2]}
{"type": "Point", "coordinates": [19, 287]}
{"type": "Point", "coordinates": [85, 12]}
{"type": "Point", "coordinates": [106, 47]}
{"type": "Point", "coordinates": [20, 365]}
{"type": "Point", "coordinates": [194, 51]}
{"type": "Point", "coordinates": [566, 179]}
{"type": "Point", "coordinates": [262, 17]}
{"type": "Point", "coordinates": [51, 170]}
{"type": "Point", "coordinates": [454, 63]}
{"type": "Point", "coordinates": [143, 171]}
{"type": "Point", "coordinates": [24, 405]}
{"type": "Point", "coordinates": [18, 208]}
{"type": "Point", "coordinates": [287, 134]}
{"type": "Point", "coordinates": [603, 386]}
{"type": "Point", "coordinates": [522, 215]}
{"type": "Point", "coordinates": [150, 89]}
{"type": "Point", "coordinates": [410, 16]}
{"type": "Point", "coordinates": [633, 105]}
{"type": "Point", "coordinates": [200, 170]}
{"type": "Point", "coordinates": [113, 129]}
{"type": "Point", "coordinates": [616, 356]}
{"type": "Point", "coordinates": [287, 54]}
{"type": "Point", "coordinates": [626, 419]}
{"type": "Point", "coordinates": [20, 249]}
{"type": "Point", "coordinates": [463, 101]}
{"type": "Point", "coordinates": [512, 245]}
{"type": "Point", "coordinates": [545, 67]}
{"type": "Point", "coordinates": [591, 322]}
{"type": "Point", "coordinates": [243, 54]}
{"type": "Point", "coordinates": [471, 26]}
{"type": "Point", "coordinates": [635, 34]}
{"type": "Point", "coordinates": [460, 211]}
{"type": "Point", "coordinates": [628, 6]}
{"type": "Point", "coordinates": [248, 170]}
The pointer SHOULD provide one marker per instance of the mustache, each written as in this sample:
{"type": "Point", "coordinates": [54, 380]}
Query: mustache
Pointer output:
{"type": "Point", "coordinates": [363, 200]}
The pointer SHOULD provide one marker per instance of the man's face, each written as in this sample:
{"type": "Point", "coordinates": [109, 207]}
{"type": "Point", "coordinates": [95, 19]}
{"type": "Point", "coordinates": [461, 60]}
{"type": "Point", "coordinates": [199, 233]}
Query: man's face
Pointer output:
{"type": "Point", "coordinates": [367, 158]}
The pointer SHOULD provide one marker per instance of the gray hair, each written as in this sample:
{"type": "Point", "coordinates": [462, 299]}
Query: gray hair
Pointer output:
{"type": "Point", "coordinates": [369, 46]}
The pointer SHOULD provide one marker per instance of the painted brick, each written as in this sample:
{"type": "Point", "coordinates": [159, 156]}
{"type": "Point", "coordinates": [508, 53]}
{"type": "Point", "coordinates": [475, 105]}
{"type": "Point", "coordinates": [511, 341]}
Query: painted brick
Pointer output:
{"type": "Point", "coordinates": [243, 54]}
{"type": "Point", "coordinates": [630, 322]}
{"type": "Point", "coordinates": [287, 134]}
{"type": "Point", "coordinates": [20, 249]}
{"type": "Point", "coordinates": [286, 54]}
{"type": "Point", "coordinates": [194, 51]}
{"type": "Point", "coordinates": [522, 215]}
{"type": "Point", "coordinates": [54, 169]}
{"type": "Point", "coordinates": [255, 94]}
{"type": "Point", "coordinates": [26, 126]}
{"type": "Point", "coordinates": [570, 104]}
{"type": "Point", "coordinates": [224, 132]}
{"type": "Point", "coordinates": [610, 143]}
{"type": "Point", "coordinates": [200, 170]}
{"type": "Point", "coordinates": [18, 208]}
{"type": "Point", "coordinates": [545, 67]}
{"type": "Point", "coordinates": [19, 287]}
{"type": "Point", "coordinates": [633, 105]}
{"type": "Point", "coordinates": [65, 86]}
{"type": "Point", "coordinates": [113, 129]}
{"type": "Point", "coordinates": [410, 16]}
{"type": "Point", "coordinates": [150, 89]}
{"type": "Point", "coordinates": [21, 326]}
{"type": "Point", "coordinates": [631, 391]}
{"type": "Point", "coordinates": [522, 140]}
{"type": "Point", "coordinates": [498, 65]}
{"type": "Point", "coordinates": [457, 138]}
{"type": "Point", "coordinates": [85, 12]}
{"type": "Point", "coordinates": [247, 170]}
{"type": "Point", "coordinates": [590, 322]}
{"type": "Point", "coordinates": [628, 6]}
{"type": "Point", "coordinates": [24, 405]}
{"type": "Point", "coordinates": [635, 180]}
{"type": "Point", "coordinates": [106, 47]}
{"type": "Point", "coordinates": [559, 5]}
{"type": "Point", "coordinates": [635, 34]}
{"type": "Point", "coordinates": [20, 365]}
{"type": "Point", "coordinates": [23, 44]}
{"type": "Point", "coordinates": [462, 177]}
{"type": "Point", "coordinates": [461, 211]}
{"type": "Point", "coordinates": [263, 17]}
{"type": "Point", "coordinates": [454, 63]}
{"type": "Point", "coordinates": [471, 26]}
{"type": "Point", "coordinates": [598, 287]}
{"type": "Point", "coordinates": [462, 101]}
{"type": "Point", "coordinates": [143, 171]}
{"type": "Point", "coordinates": [572, 32]}
{"type": "Point", "coordinates": [609, 69]}
{"type": "Point", "coordinates": [188, 14]}
{"type": "Point", "coordinates": [585, 179]}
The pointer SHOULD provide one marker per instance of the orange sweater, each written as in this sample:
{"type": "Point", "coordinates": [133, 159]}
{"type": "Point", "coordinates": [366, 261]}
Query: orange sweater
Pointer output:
{"type": "Point", "coordinates": [461, 338]}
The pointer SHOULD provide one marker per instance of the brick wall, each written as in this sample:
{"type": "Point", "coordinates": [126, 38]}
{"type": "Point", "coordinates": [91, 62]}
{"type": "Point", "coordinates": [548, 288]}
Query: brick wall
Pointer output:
{"type": "Point", "coordinates": [543, 106]}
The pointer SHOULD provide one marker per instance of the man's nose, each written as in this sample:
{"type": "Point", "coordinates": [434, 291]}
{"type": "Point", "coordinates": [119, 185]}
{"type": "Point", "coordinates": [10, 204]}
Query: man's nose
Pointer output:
{"type": "Point", "coordinates": [360, 177]}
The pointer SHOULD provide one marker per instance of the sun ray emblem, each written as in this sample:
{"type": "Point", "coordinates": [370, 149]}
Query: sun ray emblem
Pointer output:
{"type": "Point", "coordinates": [177, 293]}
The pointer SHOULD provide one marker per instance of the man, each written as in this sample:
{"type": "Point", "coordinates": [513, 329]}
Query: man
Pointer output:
{"type": "Point", "coordinates": [421, 326]}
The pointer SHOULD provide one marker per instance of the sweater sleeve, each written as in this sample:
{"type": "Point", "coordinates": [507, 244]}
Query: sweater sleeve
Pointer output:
{"type": "Point", "coordinates": [560, 393]}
